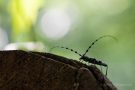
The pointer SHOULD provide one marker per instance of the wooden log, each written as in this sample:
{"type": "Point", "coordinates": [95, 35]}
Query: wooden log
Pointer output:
{"type": "Point", "coordinates": [21, 70]}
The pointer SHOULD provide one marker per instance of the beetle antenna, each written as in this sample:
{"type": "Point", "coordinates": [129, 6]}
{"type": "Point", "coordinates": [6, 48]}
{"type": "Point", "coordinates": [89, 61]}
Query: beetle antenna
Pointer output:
{"type": "Point", "coordinates": [67, 49]}
{"type": "Point", "coordinates": [98, 40]}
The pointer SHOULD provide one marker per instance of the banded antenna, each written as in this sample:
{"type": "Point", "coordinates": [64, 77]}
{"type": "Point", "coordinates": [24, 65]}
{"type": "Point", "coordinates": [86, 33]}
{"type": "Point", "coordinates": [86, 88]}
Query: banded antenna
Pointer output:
{"type": "Point", "coordinates": [67, 49]}
{"type": "Point", "coordinates": [98, 40]}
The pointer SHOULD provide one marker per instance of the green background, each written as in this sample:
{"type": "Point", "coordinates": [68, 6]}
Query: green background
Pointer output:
{"type": "Point", "coordinates": [21, 19]}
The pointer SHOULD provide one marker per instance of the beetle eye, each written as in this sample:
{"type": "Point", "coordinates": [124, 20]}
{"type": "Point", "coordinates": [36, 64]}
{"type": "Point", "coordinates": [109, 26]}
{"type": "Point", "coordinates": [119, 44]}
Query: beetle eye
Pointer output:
{"type": "Point", "coordinates": [100, 62]}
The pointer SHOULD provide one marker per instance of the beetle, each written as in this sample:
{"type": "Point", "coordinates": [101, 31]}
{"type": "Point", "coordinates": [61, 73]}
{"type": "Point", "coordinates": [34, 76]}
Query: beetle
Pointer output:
{"type": "Point", "coordinates": [86, 58]}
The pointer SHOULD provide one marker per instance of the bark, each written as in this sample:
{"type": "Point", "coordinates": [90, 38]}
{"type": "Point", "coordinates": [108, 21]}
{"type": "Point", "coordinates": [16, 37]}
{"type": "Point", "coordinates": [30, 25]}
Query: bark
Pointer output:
{"type": "Point", "coordinates": [21, 70]}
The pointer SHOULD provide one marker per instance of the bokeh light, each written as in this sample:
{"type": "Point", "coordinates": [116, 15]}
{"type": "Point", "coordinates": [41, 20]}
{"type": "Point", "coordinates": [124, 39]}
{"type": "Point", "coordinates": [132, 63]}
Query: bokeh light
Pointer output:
{"type": "Point", "coordinates": [55, 23]}
{"type": "Point", "coordinates": [30, 46]}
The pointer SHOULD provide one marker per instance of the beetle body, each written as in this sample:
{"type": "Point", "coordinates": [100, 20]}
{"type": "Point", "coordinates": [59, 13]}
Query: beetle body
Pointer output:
{"type": "Point", "coordinates": [93, 61]}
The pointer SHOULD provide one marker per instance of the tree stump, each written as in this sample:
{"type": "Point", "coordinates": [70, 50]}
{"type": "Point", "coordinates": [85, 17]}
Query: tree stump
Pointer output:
{"type": "Point", "coordinates": [21, 70]}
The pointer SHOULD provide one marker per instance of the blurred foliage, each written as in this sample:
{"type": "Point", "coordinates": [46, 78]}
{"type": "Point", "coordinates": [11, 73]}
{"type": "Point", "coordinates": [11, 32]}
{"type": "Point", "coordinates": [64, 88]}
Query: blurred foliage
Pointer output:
{"type": "Point", "coordinates": [91, 19]}
{"type": "Point", "coordinates": [23, 13]}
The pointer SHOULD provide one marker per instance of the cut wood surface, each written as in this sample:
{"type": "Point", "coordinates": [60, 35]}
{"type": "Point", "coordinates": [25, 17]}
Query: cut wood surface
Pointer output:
{"type": "Point", "coordinates": [21, 70]}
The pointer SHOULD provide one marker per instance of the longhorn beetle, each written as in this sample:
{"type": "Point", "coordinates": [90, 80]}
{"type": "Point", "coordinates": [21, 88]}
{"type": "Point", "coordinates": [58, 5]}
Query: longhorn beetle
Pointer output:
{"type": "Point", "coordinates": [86, 58]}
